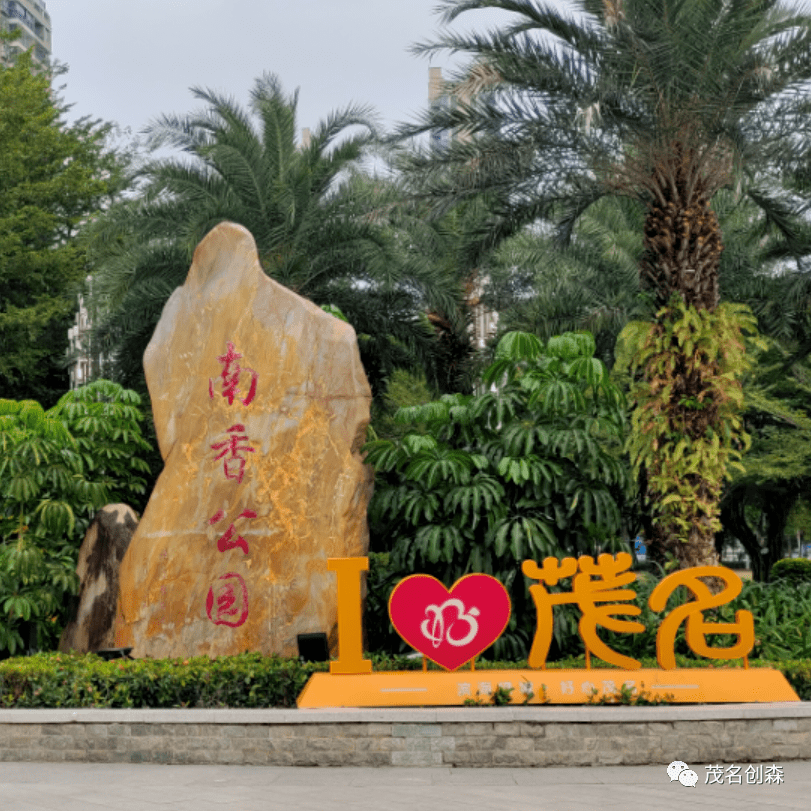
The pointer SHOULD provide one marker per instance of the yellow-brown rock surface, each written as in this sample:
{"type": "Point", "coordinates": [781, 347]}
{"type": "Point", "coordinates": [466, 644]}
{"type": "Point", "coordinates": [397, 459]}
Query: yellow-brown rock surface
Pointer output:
{"type": "Point", "coordinates": [261, 406]}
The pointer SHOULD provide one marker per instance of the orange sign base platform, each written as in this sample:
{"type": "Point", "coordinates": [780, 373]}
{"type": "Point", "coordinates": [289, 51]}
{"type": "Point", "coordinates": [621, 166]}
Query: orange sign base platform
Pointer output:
{"type": "Point", "coordinates": [435, 689]}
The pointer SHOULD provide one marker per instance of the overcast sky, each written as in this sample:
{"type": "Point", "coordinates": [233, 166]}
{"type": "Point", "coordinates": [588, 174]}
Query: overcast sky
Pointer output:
{"type": "Point", "coordinates": [132, 60]}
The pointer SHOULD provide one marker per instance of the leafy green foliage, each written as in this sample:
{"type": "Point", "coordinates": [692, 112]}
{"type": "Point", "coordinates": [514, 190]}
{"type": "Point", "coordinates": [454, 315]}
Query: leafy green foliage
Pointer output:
{"type": "Point", "coordinates": [54, 176]}
{"type": "Point", "coordinates": [526, 470]}
{"type": "Point", "coordinates": [104, 419]}
{"type": "Point", "coordinates": [759, 500]}
{"type": "Point", "coordinates": [539, 286]}
{"type": "Point", "coordinates": [403, 389]}
{"type": "Point", "coordinates": [60, 680]}
{"type": "Point", "coordinates": [57, 468]}
{"type": "Point", "coordinates": [782, 613]}
{"type": "Point", "coordinates": [794, 570]}
{"type": "Point", "coordinates": [441, 243]}
{"type": "Point", "coordinates": [686, 428]}
{"type": "Point", "coordinates": [250, 680]}
{"type": "Point", "coordinates": [799, 519]}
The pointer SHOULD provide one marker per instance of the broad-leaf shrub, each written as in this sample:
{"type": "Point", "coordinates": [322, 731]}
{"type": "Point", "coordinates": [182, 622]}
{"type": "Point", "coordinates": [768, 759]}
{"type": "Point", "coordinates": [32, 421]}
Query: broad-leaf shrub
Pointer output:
{"type": "Point", "coordinates": [529, 469]}
{"type": "Point", "coordinates": [105, 420]}
{"type": "Point", "coordinates": [57, 468]}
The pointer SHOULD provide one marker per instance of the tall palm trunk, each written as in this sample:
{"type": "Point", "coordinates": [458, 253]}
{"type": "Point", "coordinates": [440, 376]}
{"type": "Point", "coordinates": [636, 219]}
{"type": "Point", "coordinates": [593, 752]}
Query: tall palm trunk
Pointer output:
{"type": "Point", "coordinates": [682, 255]}
{"type": "Point", "coordinates": [682, 237]}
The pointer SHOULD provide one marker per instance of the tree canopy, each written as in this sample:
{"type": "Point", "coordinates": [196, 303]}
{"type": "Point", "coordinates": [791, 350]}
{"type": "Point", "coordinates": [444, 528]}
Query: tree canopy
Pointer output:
{"type": "Point", "coordinates": [320, 226]}
{"type": "Point", "coordinates": [639, 98]}
{"type": "Point", "coordinates": [54, 176]}
{"type": "Point", "coordinates": [777, 469]}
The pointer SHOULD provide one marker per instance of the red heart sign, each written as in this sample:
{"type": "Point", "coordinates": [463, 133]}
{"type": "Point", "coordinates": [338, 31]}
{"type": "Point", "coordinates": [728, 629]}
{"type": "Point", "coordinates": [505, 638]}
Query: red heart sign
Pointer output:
{"type": "Point", "coordinates": [450, 627]}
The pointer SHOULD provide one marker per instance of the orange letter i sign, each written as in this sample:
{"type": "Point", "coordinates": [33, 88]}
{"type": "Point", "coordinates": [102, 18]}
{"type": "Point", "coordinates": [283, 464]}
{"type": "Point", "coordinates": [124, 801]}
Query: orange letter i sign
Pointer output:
{"type": "Point", "coordinates": [350, 642]}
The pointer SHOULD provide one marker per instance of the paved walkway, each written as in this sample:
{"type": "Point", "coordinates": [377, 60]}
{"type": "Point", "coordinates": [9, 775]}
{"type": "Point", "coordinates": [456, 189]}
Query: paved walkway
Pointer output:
{"type": "Point", "coordinates": [91, 787]}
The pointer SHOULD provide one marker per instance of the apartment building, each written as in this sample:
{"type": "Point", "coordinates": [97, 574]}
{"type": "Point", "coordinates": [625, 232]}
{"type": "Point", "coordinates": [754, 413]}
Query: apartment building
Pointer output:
{"type": "Point", "coordinates": [31, 18]}
{"type": "Point", "coordinates": [82, 368]}
{"type": "Point", "coordinates": [440, 94]}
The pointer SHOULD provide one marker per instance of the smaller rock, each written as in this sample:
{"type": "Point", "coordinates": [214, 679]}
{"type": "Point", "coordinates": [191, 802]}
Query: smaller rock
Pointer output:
{"type": "Point", "coordinates": [103, 549]}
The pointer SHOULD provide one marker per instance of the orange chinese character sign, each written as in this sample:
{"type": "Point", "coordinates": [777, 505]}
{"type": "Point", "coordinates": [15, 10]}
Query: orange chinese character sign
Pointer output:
{"type": "Point", "coordinates": [450, 627]}
{"type": "Point", "coordinates": [437, 617]}
{"type": "Point", "coordinates": [697, 628]}
{"type": "Point", "coordinates": [596, 583]}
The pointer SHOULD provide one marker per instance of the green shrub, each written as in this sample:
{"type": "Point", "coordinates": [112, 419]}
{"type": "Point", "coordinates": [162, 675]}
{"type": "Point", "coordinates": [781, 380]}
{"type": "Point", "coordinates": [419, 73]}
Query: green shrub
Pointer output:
{"type": "Point", "coordinates": [57, 467]}
{"type": "Point", "coordinates": [528, 471]}
{"type": "Point", "coordinates": [62, 680]}
{"type": "Point", "coordinates": [250, 680]}
{"type": "Point", "coordinates": [794, 570]}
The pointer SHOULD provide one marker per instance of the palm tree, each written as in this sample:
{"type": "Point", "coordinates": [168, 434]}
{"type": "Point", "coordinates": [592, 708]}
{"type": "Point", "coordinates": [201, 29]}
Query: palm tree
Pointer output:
{"type": "Point", "coordinates": [593, 282]}
{"type": "Point", "coordinates": [318, 222]}
{"type": "Point", "coordinates": [442, 243]}
{"type": "Point", "coordinates": [663, 101]}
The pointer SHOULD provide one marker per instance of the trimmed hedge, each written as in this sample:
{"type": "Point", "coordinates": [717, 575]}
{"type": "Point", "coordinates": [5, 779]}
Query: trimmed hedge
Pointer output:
{"type": "Point", "coordinates": [794, 570]}
{"type": "Point", "coordinates": [56, 680]}
{"type": "Point", "coordinates": [250, 680]}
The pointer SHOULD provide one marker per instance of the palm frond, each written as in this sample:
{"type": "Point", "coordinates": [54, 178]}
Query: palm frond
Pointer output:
{"type": "Point", "coordinates": [580, 106]}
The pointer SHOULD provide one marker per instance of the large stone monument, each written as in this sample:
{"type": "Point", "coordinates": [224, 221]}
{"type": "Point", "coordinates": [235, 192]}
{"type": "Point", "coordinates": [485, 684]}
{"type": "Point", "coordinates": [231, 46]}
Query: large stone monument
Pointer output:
{"type": "Point", "coordinates": [261, 406]}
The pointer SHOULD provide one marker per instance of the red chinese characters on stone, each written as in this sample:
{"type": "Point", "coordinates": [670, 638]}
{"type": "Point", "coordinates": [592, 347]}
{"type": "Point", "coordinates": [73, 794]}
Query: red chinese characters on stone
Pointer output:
{"type": "Point", "coordinates": [226, 541]}
{"type": "Point", "coordinates": [233, 465]}
{"type": "Point", "coordinates": [230, 378]}
{"type": "Point", "coordinates": [227, 601]}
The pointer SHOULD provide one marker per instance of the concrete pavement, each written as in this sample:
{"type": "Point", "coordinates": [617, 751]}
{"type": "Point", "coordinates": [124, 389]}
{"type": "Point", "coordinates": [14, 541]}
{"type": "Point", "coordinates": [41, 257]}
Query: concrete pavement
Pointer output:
{"type": "Point", "coordinates": [148, 787]}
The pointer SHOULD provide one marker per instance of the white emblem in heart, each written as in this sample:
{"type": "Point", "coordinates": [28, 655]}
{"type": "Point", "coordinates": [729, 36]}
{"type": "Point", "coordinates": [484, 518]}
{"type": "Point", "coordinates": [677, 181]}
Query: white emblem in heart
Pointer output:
{"type": "Point", "coordinates": [437, 629]}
